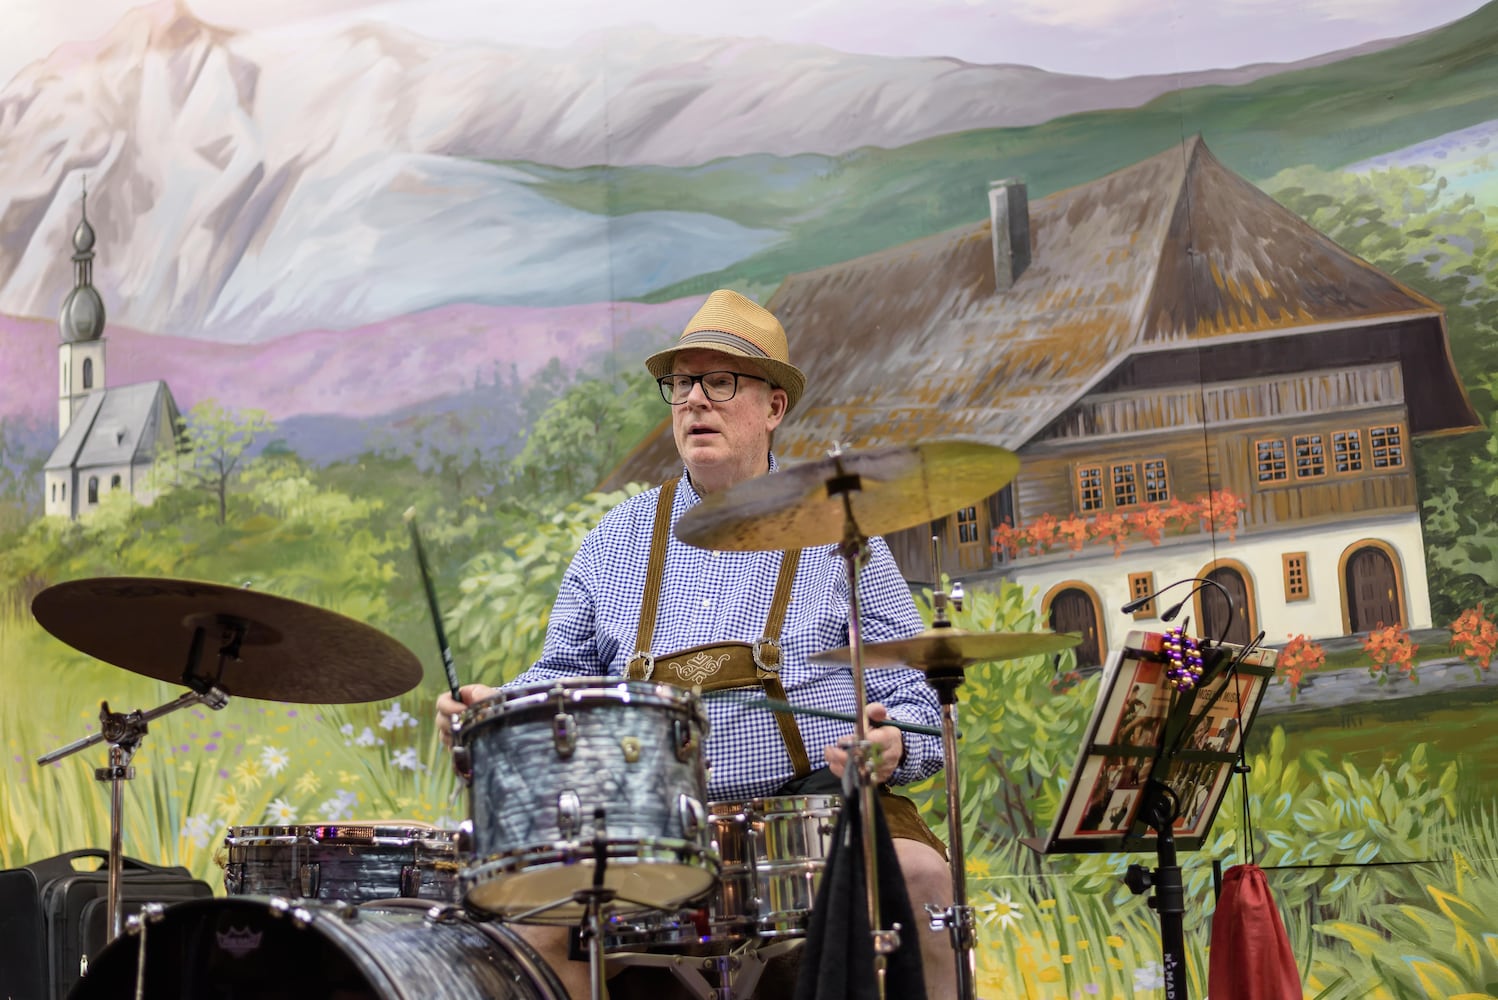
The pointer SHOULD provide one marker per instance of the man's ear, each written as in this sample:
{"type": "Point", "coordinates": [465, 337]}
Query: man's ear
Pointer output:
{"type": "Point", "coordinates": [779, 402]}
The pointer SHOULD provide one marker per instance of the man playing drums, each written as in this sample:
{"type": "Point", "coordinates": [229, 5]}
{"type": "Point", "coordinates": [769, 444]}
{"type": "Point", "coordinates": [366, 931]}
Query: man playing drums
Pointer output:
{"type": "Point", "coordinates": [634, 597]}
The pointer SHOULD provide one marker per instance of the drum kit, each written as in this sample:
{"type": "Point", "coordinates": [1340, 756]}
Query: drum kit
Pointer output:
{"type": "Point", "coordinates": [588, 804]}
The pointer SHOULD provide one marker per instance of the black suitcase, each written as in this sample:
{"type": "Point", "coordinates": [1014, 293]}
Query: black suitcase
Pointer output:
{"type": "Point", "coordinates": [54, 916]}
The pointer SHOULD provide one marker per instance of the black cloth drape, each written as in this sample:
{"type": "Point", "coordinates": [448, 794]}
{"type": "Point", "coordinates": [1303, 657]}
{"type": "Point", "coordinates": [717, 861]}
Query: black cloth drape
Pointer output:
{"type": "Point", "coordinates": [837, 962]}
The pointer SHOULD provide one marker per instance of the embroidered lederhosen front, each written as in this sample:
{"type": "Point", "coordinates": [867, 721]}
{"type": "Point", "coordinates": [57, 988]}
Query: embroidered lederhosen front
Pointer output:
{"type": "Point", "coordinates": [717, 666]}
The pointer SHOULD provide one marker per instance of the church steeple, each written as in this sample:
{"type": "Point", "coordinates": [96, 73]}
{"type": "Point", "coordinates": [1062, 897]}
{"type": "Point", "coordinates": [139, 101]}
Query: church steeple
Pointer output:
{"type": "Point", "coordinates": [80, 356]}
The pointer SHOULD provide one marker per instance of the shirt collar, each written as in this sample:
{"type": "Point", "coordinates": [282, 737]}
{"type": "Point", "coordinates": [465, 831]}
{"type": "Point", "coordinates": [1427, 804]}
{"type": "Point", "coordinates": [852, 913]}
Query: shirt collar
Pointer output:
{"type": "Point", "coordinates": [693, 497]}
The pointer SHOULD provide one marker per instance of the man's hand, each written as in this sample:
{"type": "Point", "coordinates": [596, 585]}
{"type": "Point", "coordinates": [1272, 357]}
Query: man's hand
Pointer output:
{"type": "Point", "coordinates": [448, 709]}
{"type": "Point", "coordinates": [889, 746]}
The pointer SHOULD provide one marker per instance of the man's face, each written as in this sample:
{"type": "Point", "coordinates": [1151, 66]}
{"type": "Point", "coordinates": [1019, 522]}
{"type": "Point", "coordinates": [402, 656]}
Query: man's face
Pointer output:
{"type": "Point", "coordinates": [724, 444]}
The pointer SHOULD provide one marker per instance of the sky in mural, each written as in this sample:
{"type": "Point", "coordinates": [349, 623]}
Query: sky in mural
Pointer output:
{"type": "Point", "coordinates": [1108, 38]}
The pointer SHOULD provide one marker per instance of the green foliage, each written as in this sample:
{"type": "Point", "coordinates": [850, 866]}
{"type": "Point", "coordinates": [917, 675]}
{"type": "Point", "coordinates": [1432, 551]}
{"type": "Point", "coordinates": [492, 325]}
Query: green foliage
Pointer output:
{"type": "Point", "coordinates": [582, 434]}
{"type": "Point", "coordinates": [500, 620]}
{"type": "Point", "coordinates": [211, 441]}
{"type": "Point", "coordinates": [1020, 731]}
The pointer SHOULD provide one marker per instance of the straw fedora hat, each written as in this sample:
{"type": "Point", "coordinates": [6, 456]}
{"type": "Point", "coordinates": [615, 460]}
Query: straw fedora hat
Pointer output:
{"type": "Point", "coordinates": [732, 324]}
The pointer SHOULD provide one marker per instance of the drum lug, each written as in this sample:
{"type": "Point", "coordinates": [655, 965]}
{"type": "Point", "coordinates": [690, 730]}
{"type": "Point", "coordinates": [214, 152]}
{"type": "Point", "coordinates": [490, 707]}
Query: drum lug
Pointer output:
{"type": "Point", "coordinates": [309, 879]}
{"type": "Point", "coordinates": [564, 733]}
{"type": "Point", "coordinates": [569, 814]}
{"type": "Point", "coordinates": [683, 740]}
{"type": "Point", "coordinates": [463, 763]}
{"type": "Point", "coordinates": [631, 747]}
{"type": "Point", "coordinates": [234, 878]}
{"type": "Point", "coordinates": [693, 816]}
{"type": "Point", "coordinates": [410, 881]}
{"type": "Point", "coordinates": [463, 840]}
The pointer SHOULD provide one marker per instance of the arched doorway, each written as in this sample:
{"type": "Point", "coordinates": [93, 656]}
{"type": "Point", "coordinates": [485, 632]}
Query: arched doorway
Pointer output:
{"type": "Point", "coordinates": [1073, 609]}
{"type": "Point", "coordinates": [1372, 586]}
{"type": "Point", "coordinates": [1215, 612]}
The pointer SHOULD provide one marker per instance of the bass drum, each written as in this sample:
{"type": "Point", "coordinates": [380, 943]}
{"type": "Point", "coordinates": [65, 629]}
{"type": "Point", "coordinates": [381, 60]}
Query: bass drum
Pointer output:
{"type": "Point", "coordinates": [249, 948]}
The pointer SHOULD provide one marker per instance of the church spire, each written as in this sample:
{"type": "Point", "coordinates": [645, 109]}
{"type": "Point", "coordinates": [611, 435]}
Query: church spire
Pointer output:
{"type": "Point", "coordinates": [82, 316]}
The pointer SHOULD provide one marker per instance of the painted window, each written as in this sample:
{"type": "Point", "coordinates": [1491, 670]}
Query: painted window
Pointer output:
{"type": "Point", "coordinates": [1125, 485]}
{"type": "Point", "coordinates": [88, 373]}
{"type": "Point", "coordinates": [1347, 451]}
{"type": "Point", "coordinates": [1310, 456]}
{"type": "Point", "coordinates": [114, 482]}
{"type": "Point", "coordinates": [1297, 586]}
{"type": "Point", "coordinates": [93, 489]}
{"type": "Point", "coordinates": [967, 526]}
{"type": "Point", "coordinates": [1090, 487]}
{"type": "Point", "coordinates": [1270, 457]}
{"type": "Point", "coordinates": [54, 492]}
{"type": "Point", "coordinates": [1156, 482]}
{"type": "Point", "coordinates": [1386, 446]}
{"type": "Point", "coordinates": [1142, 585]}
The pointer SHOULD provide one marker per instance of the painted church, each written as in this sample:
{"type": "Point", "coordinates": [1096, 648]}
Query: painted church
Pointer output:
{"type": "Point", "coordinates": [108, 438]}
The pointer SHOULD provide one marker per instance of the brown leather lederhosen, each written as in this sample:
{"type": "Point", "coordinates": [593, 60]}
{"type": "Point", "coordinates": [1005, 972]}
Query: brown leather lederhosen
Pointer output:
{"type": "Point", "coordinates": [717, 666]}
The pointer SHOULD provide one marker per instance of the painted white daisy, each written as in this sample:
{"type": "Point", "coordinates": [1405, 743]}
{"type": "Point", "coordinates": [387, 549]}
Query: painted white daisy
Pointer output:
{"type": "Point", "coordinates": [274, 759]}
{"type": "Point", "coordinates": [1149, 977]}
{"type": "Point", "coordinates": [280, 813]}
{"type": "Point", "coordinates": [395, 717]}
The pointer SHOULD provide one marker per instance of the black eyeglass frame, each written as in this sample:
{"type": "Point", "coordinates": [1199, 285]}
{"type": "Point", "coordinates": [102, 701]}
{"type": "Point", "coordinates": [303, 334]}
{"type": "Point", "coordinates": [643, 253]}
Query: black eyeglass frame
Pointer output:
{"type": "Point", "coordinates": [667, 391]}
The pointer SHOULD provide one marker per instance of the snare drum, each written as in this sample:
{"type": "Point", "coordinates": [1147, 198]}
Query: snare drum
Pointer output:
{"type": "Point", "coordinates": [562, 767]}
{"type": "Point", "coordinates": [313, 950]}
{"type": "Point", "coordinates": [357, 862]}
{"type": "Point", "coordinates": [774, 851]}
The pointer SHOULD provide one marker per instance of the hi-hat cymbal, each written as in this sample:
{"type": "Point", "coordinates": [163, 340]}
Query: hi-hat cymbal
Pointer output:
{"type": "Point", "coordinates": [951, 648]}
{"type": "Point", "coordinates": [802, 505]}
{"type": "Point", "coordinates": [289, 651]}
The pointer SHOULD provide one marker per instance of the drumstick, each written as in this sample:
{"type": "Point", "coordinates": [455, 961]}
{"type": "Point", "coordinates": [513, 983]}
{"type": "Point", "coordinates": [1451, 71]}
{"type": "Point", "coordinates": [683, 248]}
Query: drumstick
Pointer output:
{"type": "Point", "coordinates": [426, 581]}
{"type": "Point", "coordinates": [775, 705]}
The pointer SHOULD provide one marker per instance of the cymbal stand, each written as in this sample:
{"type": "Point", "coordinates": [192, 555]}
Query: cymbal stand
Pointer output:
{"type": "Point", "coordinates": [859, 779]}
{"type": "Point", "coordinates": [123, 731]}
{"type": "Point", "coordinates": [596, 900]}
{"type": "Point", "coordinates": [958, 919]}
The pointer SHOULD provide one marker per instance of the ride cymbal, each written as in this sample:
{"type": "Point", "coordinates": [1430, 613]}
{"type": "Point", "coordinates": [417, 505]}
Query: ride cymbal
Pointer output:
{"type": "Point", "coordinates": [887, 490]}
{"type": "Point", "coordinates": [949, 648]}
{"type": "Point", "coordinates": [287, 651]}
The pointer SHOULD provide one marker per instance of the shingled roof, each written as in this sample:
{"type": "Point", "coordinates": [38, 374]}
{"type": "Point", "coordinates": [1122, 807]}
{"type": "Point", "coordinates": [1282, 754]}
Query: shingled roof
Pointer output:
{"type": "Point", "coordinates": [915, 343]}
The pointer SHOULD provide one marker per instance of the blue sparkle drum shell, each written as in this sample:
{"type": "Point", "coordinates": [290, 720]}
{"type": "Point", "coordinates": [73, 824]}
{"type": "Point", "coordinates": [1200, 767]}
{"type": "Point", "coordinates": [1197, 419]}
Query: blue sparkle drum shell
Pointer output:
{"type": "Point", "coordinates": [355, 861]}
{"type": "Point", "coordinates": [546, 758]}
{"type": "Point", "coordinates": [254, 948]}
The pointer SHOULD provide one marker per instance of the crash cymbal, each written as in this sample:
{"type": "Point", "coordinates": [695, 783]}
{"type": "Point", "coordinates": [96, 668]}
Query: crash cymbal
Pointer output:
{"type": "Point", "coordinates": [948, 648]}
{"type": "Point", "coordinates": [897, 488]}
{"type": "Point", "coordinates": [289, 652]}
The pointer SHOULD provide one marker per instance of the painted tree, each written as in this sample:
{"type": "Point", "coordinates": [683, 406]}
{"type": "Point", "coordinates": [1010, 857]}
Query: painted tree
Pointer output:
{"type": "Point", "coordinates": [211, 446]}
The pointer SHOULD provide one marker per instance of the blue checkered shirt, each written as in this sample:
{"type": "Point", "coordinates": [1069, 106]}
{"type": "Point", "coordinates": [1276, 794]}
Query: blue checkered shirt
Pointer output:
{"type": "Point", "coordinates": [709, 596]}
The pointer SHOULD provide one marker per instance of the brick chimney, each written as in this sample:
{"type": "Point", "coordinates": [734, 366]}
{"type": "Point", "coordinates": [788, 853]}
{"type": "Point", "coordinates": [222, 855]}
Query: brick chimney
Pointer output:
{"type": "Point", "coordinates": [1009, 212]}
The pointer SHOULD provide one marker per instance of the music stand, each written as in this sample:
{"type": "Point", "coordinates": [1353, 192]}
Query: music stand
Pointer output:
{"type": "Point", "coordinates": [1154, 767]}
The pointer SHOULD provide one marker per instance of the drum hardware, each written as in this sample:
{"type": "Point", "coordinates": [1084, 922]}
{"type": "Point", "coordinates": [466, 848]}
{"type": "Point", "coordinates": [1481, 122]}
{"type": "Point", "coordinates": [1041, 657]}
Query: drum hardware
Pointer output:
{"type": "Point", "coordinates": [943, 653]}
{"type": "Point", "coordinates": [268, 647]}
{"type": "Point", "coordinates": [737, 972]}
{"type": "Point", "coordinates": [836, 500]}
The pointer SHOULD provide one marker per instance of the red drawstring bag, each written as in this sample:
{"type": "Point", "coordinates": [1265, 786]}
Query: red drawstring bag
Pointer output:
{"type": "Point", "coordinates": [1250, 958]}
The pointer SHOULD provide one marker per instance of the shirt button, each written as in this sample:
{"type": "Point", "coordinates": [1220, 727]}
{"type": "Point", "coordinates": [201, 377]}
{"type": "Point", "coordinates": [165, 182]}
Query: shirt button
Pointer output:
{"type": "Point", "coordinates": [707, 602]}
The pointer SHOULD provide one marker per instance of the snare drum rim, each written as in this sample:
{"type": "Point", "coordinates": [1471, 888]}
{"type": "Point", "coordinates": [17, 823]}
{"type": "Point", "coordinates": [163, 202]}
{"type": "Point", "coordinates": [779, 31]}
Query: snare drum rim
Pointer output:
{"type": "Point", "coordinates": [343, 834]}
{"type": "Point", "coordinates": [580, 691]}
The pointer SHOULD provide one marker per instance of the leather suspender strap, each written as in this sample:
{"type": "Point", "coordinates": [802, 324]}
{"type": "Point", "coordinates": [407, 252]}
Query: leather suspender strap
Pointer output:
{"type": "Point", "coordinates": [769, 674]}
{"type": "Point", "coordinates": [654, 573]}
{"type": "Point", "coordinates": [717, 666]}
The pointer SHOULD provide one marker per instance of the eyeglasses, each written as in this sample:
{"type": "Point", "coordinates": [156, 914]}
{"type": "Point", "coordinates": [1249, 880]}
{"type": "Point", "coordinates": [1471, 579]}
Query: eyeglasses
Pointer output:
{"type": "Point", "coordinates": [719, 387]}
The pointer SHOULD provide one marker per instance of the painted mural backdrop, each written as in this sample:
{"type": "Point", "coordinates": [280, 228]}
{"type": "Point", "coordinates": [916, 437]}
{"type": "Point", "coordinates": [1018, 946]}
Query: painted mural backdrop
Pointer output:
{"type": "Point", "coordinates": [270, 279]}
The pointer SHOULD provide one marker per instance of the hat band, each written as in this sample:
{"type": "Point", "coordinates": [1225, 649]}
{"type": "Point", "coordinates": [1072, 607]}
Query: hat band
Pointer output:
{"type": "Point", "coordinates": [723, 337]}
